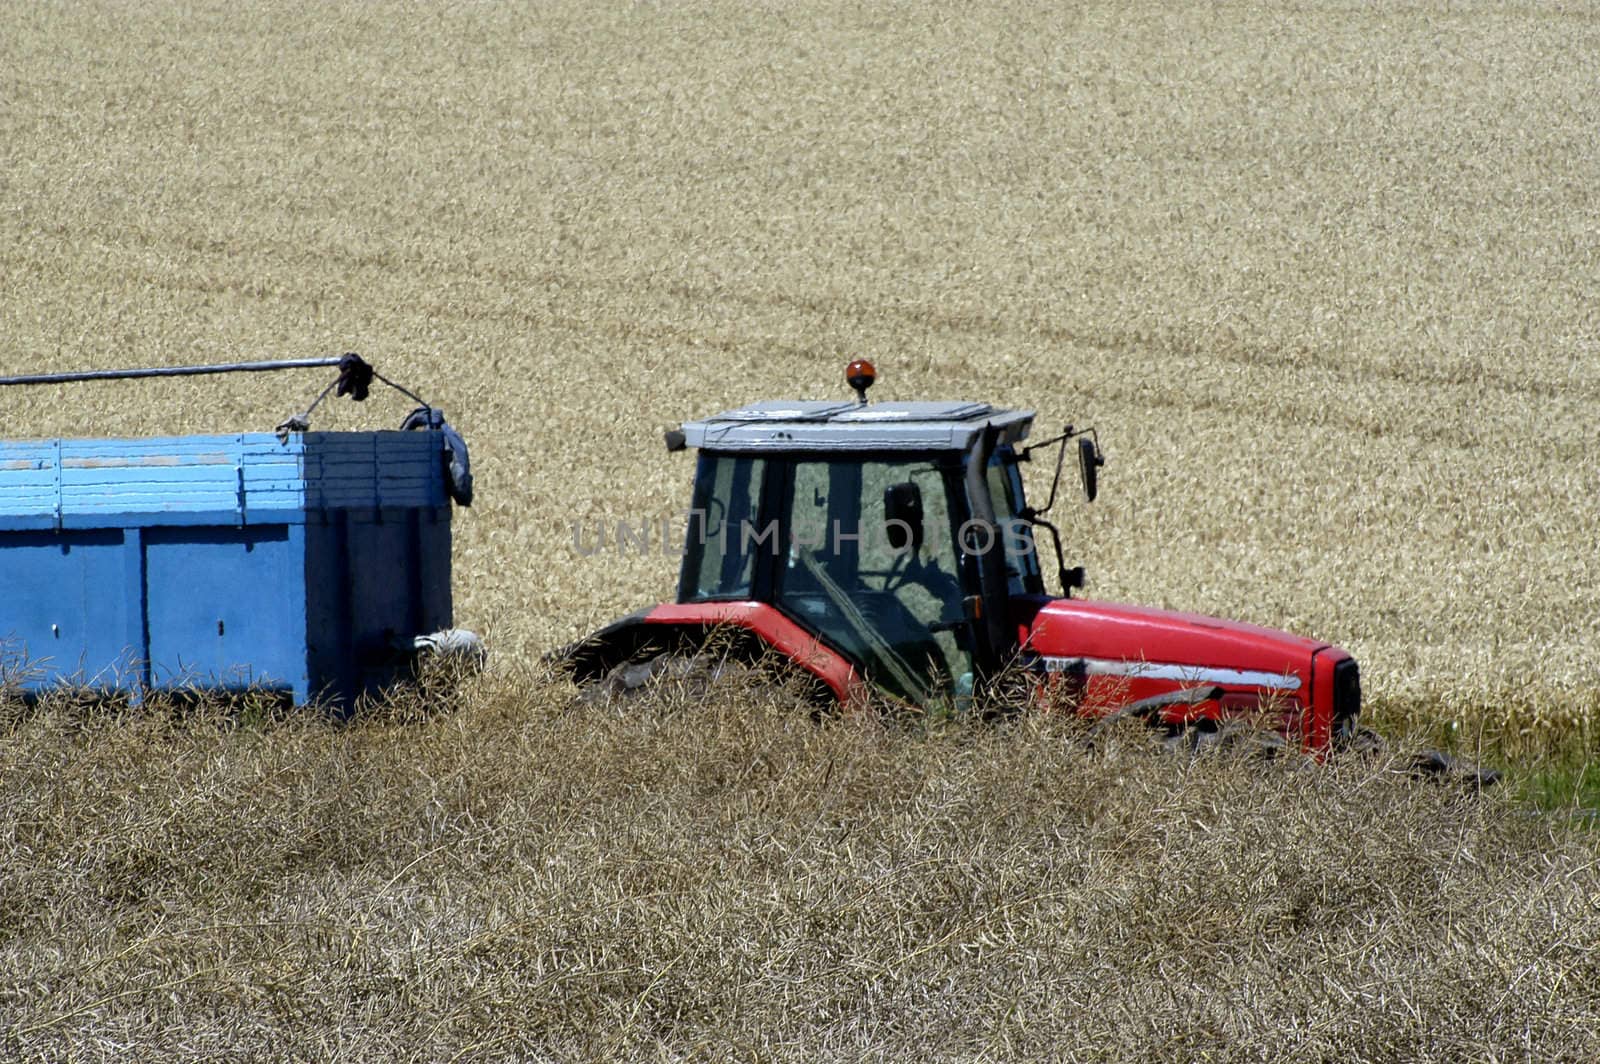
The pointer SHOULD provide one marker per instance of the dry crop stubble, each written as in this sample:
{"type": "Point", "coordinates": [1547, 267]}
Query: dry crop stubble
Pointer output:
{"type": "Point", "coordinates": [728, 876]}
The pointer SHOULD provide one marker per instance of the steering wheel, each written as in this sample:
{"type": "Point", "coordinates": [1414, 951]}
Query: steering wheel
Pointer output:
{"type": "Point", "coordinates": [893, 577]}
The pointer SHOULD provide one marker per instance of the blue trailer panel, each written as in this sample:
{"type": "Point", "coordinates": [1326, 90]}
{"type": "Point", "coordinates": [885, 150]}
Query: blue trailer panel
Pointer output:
{"type": "Point", "coordinates": [304, 565]}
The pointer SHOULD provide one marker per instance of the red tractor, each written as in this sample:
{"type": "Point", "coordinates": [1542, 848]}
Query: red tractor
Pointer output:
{"type": "Point", "coordinates": [890, 545]}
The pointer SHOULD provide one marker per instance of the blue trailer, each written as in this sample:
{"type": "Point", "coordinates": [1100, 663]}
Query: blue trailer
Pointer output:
{"type": "Point", "coordinates": [303, 564]}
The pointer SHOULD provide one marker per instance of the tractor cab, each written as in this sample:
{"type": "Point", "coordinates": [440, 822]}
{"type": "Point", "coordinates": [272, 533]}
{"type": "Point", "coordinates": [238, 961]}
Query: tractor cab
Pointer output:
{"type": "Point", "coordinates": [897, 532]}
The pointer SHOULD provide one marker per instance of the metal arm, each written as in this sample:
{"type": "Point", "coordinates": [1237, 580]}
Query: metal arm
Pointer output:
{"type": "Point", "coordinates": [170, 371]}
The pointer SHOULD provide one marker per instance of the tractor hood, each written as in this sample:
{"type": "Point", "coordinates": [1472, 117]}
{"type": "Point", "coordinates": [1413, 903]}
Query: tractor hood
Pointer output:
{"type": "Point", "coordinates": [1110, 638]}
{"type": "Point", "coordinates": [1108, 655]}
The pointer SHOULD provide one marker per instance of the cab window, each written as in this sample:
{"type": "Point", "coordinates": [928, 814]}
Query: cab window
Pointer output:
{"type": "Point", "coordinates": [1021, 552]}
{"type": "Point", "coordinates": [723, 536]}
{"type": "Point", "coordinates": [871, 563]}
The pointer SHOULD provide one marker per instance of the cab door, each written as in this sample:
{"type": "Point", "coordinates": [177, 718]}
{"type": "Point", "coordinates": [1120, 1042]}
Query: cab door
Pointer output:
{"type": "Point", "coordinates": [856, 572]}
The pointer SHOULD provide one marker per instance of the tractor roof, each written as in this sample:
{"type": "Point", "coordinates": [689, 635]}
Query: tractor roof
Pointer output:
{"type": "Point", "coordinates": [845, 425]}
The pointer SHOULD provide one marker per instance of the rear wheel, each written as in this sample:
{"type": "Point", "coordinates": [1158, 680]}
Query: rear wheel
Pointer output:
{"type": "Point", "coordinates": [676, 672]}
{"type": "Point", "coordinates": [694, 673]}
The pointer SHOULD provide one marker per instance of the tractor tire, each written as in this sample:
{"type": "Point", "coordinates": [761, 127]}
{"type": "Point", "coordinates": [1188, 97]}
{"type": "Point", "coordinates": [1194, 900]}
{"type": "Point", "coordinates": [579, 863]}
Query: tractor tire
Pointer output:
{"type": "Point", "coordinates": [632, 680]}
{"type": "Point", "coordinates": [1198, 738]}
{"type": "Point", "coordinates": [1234, 736]}
{"type": "Point", "coordinates": [688, 675]}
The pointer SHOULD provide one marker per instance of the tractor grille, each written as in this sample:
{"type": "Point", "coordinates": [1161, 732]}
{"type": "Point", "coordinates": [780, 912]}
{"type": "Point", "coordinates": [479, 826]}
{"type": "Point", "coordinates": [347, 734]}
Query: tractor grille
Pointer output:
{"type": "Point", "coordinates": [1346, 698]}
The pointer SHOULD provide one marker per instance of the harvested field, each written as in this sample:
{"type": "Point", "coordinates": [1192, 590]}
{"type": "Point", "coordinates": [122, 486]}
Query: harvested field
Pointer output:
{"type": "Point", "coordinates": [1321, 275]}
{"type": "Point", "coordinates": [529, 879]}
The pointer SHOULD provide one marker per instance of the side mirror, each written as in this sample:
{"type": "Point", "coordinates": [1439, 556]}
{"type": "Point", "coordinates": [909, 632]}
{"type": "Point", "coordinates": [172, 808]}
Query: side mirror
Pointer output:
{"type": "Point", "coordinates": [1089, 462]}
{"type": "Point", "coordinates": [902, 517]}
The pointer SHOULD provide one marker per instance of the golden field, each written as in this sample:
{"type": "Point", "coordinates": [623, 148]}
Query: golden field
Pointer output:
{"type": "Point", "coordinates": [1322, 276]}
